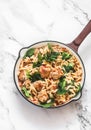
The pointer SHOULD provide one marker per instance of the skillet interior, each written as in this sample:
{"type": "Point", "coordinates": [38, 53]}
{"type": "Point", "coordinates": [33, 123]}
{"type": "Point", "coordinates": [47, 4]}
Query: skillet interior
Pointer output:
{"type": "Point", "coordinates": [39, 44]}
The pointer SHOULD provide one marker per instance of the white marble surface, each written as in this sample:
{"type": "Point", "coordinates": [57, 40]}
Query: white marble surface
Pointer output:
{"type": "Point", "coordinates": [23, 22]}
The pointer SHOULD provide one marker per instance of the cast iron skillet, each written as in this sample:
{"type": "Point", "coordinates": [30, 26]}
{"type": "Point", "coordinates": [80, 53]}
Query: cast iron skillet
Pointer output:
{"type": "Point", "coordinates": [73, 47]}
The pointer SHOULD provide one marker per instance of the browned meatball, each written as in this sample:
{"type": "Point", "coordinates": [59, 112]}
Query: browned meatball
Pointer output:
{"type": "Point", "coordinates": [43, 96]}
{"type": "Point", "coordinates": [56, 73]}
{"type": "Point", "coordinates": [45, 71]}
{"type": "Point", "coordinates": [21, 76]}
{"type": "Point", "coordinates": [39, 85]}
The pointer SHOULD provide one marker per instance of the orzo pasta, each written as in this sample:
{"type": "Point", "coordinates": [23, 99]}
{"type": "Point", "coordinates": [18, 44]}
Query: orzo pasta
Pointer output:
{"type": "Point", "coordinates": [50, 75]}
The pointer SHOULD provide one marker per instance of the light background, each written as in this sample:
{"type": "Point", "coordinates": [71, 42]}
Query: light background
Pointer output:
{"type": "Point", "coordinates": [23, 22]}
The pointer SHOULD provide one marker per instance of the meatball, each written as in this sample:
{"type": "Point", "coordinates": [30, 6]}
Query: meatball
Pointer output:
{"type": "Point", "coordinates": [45, 70]}
{"type": "Point", "coordinates": [43, 96]}
{"type": "Point", "coordinates": [56, 73]}
{"type": "Point", "coordinates": [39, 85]}
{"type": "Point", "coordinates": [21, 76]}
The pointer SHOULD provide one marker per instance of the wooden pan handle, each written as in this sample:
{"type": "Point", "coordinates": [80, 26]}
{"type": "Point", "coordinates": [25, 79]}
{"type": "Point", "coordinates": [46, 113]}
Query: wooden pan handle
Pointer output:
{"type": "Point", "coordinates": [78, 40]}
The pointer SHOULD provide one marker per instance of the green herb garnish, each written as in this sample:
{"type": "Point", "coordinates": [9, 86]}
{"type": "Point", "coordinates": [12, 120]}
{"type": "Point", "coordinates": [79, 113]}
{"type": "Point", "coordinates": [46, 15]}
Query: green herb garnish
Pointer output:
{"type": "Point", "coordinates": [66, 55]}
{"type": "Point", "coordinates": [29, 52]}
{"type": "Point", "coordinates": [61, 92]}
{"type": "Point", "coordinates": [49, 57]}
{"type": "Point", "coordinates": [50, 47]}
{"type": "Point", "coordinates": [39, 62]}
{"type": "Point", "coordinates": [36, 64]}
{"type": "Point", "coordinates": [36, 76]}
{"type": "Point", "coordinates": [26, 92]}
{"type": "Point", "coordinates": [47, 105]}
{"type": "Point", "coordinates": [78, 89]}
{"type": "Point", "coordinates": [69, 67]}
{"type": "Point", "coordinates": [28, 75]}
{"type": "Point", "coordinates": [61, 86]}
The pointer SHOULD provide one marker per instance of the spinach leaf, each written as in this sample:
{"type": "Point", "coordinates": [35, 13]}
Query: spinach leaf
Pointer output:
{"type": "Point", "coordinates": [78, 88]}
{"type": "Point", "coordinates": [26, 92]}
{"type": "Point", "coordinates": [39, 62]}
{"type": "Point", "coordinates": [28, 75]}
{"type": "Point", "coordinates": [36, 76]}
{"type": "Point", "coordinates": [49, 57]}
{"type": "Point", "coordinates": [66, 55]}
{"type": "Point", "coordinates": [29, 52]}
{"type": "Point", "coordinates": [36, 64]}
{"type": "Point", "coordinates": [62, 78]}
{"type": "Point", "coordinates": [47, 105]}
{"type": "Point", "coordinates": [69, 67]}
{"type": "Point", "coordinates": [60, 92]}
{"type": "Point", "coordinates": [61, 86]}
{"type": "Point", "coordinates": [40, 58]}
{"type": "Point", "coordinates": [50, 47]}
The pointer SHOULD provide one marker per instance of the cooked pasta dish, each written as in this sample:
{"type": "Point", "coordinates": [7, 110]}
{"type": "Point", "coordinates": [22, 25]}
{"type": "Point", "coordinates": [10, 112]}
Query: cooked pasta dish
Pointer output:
{"type": "Point", "coordinates": [50, 75]}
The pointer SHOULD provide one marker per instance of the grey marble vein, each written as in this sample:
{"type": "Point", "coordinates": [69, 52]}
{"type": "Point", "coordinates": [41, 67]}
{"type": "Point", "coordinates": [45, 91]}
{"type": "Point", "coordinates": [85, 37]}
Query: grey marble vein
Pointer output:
{"type": "Point", "coordinates": [83, 116]}
{"type": "Point", "coordinates": [6, 116]}
{"type": "Point", "coordinates": [23, 22]}
{"type": "Point", "coordinates": [14, 39]}
{"type": "Point", "coordinates": [26, 15]}
{"type": "Point", "coordinates": [45, 3]}
{"type": "Point", "coordinates": [80, 15]}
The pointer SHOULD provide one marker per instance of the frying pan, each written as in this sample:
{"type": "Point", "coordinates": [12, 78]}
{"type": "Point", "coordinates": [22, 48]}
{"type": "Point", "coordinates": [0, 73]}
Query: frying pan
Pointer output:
{"type": "Point", "coordinates": [73, 47]}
